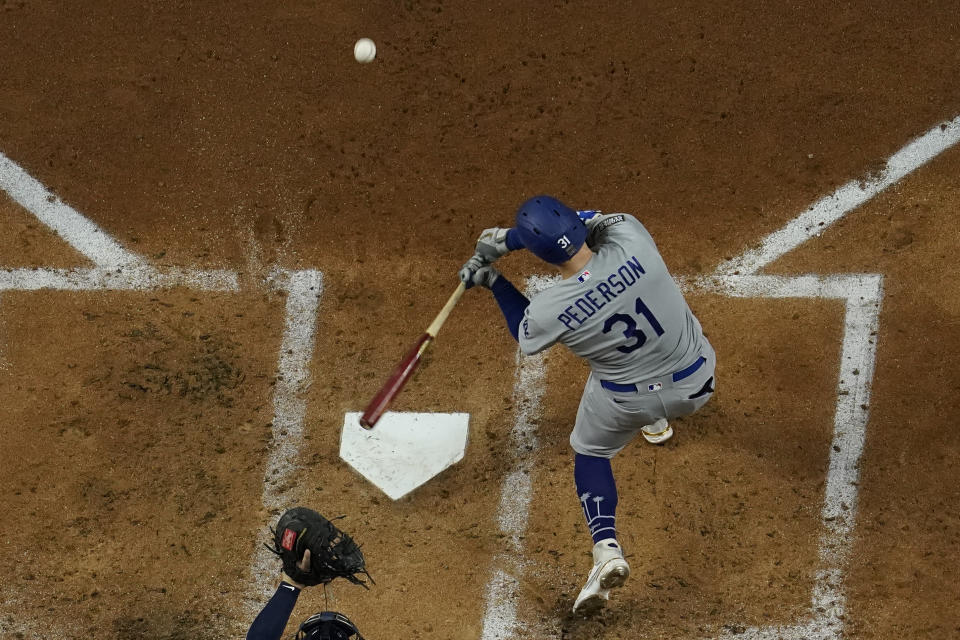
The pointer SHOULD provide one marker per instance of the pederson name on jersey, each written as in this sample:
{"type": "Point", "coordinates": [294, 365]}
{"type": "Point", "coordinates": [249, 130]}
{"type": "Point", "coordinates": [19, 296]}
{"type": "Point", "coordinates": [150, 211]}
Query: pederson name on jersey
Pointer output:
{"type": "Point", "coordinates": [587, 305]}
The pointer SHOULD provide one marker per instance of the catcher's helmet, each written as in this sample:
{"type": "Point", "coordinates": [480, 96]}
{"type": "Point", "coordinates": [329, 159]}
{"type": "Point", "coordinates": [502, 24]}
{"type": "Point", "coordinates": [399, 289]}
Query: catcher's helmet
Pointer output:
{"type": "Point", "coordinates": [550, 229]}
{"type": "Point", "coordinates": [328, 625]}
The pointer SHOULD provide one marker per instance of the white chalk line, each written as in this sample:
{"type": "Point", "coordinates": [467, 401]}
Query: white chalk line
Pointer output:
{"type": "Point", "coordinates": [862, 294]}
{"type": "Point", "coordinates": [119, 270]}
{"type": "Point", "coordinates": [78, 231]}
{"type": "Point", "coordinates": [303, 289]}
{"type": "Point", "coordinates": [500, 619]}
{"type": "Point", "coordinates": [117, 279]}
{"type": "Point", "coordinates": [826, 211]}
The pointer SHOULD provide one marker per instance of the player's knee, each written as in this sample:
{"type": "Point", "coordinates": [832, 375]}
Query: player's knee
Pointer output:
{"type": "Point", "coordinates": [595, 449]}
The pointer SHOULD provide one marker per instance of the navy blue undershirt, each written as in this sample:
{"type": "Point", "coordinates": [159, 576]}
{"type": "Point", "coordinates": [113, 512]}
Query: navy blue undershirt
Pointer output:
{"type": "Point", "coordinates": [512, 303]}
{"type": "Point", "coordinates": [272, 620]}
{"type": "Point", "coordinates": [513, 240]}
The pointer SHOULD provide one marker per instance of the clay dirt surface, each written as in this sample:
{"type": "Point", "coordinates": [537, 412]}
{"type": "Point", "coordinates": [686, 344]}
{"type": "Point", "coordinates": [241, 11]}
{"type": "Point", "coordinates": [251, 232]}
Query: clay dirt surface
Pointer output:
{"type": "Point", "coordinates": [136, 425]}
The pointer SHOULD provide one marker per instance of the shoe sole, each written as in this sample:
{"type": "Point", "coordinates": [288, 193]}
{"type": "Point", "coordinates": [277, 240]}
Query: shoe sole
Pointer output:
{"type": "Point", "coordinates": [658, 438]}
{"type": "Point", "coordinates": [611, 580]}
{"type": "Point", "coordinates": [615, 578]}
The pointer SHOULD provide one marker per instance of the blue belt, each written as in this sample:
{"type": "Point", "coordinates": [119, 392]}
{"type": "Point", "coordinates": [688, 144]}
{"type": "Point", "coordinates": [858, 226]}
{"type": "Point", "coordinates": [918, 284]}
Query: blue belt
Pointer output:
{"type": "Point", "coordinates": [677, 376]}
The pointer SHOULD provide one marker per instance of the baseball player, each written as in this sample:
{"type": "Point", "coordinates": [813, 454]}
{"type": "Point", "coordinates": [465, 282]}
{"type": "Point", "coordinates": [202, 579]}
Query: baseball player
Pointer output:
{"type": "Point", "coordinates": [312, 551]}
{"type": "Point", "coordinates": [272, 619]}
{"type": "Point", "coordinates": [617, 307]}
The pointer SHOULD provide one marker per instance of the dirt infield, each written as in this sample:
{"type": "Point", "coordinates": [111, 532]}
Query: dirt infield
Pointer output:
{"type": "Point", "coordinates": [138, 422]}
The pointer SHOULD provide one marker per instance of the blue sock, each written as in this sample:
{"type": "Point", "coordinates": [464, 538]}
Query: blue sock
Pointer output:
{"type": "Point", "coordinates": [598, 495]}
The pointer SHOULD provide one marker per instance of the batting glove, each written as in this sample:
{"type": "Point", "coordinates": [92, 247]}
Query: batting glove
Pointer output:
{"type": "Point", "coordinates": [478, 271]}
{"type": "Point", "coordinates": [470, 267]}
{"type": "Point", "coordinates": [485, 276]}
{"type": "Point", "coordinates": [492, 244]}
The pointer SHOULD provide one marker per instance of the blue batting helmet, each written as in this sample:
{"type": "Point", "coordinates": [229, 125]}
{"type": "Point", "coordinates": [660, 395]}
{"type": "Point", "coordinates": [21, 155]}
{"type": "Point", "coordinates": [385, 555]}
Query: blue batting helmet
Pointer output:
{"type": "Point", "coordinates": [550, 229]}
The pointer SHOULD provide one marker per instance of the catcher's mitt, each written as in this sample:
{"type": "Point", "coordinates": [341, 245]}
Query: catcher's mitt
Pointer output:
{"type": "Point", "coordinates": [333, 553]}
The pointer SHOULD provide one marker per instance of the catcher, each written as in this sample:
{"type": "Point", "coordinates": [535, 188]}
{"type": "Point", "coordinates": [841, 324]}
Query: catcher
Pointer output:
{"type": "Point", "coordinates": [312, 551]}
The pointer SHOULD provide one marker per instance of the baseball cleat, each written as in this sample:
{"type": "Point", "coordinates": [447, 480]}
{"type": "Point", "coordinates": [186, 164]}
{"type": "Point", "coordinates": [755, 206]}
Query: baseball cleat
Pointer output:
{"type": "Point", "coordinates": [658, 432]}
{"type": "Point", "coordinates": [609, 571]}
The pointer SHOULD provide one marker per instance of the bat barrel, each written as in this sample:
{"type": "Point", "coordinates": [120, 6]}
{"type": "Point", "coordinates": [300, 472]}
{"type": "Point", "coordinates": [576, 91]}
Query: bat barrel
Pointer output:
{"type": "Point", "coordinates": [404, 370]}
{"type": "Point", "coordinates": [401, 374]}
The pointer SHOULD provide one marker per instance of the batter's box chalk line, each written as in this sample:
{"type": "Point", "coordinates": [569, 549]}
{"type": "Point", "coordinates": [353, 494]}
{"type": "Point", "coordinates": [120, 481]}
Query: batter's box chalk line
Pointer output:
{"type": "Point", "coordinates": [739, 278]}
{"type": "Point", "coordinates": [117, 269]}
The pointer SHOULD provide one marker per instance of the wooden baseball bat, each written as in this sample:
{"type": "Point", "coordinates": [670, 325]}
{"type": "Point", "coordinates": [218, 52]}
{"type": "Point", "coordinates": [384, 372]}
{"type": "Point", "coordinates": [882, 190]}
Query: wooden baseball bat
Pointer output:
{"type": "Point", "coordinates": [404, 370]}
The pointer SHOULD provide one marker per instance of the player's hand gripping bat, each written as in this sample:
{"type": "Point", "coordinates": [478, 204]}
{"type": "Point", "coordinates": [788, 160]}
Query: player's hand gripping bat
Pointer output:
{"type": "Point", "coordinates": [404, 370]}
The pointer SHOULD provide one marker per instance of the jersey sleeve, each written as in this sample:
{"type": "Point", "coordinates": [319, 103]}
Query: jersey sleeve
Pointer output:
{"type": "Point", "coordinates": [603, 227]}
{"type": "Point", "coordinates": [535, 334]}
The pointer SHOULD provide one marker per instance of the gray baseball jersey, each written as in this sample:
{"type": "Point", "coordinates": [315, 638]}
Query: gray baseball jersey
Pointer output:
{"type": "Point", "coordinates": [623, 313]}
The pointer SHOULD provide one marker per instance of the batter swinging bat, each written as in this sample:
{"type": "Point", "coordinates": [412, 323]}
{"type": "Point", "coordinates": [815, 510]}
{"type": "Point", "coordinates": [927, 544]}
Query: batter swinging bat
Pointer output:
{"type": "Point", "coordinates": [408, 365]}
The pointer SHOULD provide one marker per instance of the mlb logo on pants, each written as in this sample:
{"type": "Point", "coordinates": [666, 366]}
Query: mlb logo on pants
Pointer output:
{"type": "Point", "coordinates": [656, 386]}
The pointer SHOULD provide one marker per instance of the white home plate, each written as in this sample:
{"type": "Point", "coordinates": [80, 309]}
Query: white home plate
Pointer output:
{"type": "Point", "coordinates": [404, 450]}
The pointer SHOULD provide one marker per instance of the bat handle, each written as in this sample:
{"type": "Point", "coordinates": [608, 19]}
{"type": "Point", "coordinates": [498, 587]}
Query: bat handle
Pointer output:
{"type": "Point", "coordinates": [434, 327]}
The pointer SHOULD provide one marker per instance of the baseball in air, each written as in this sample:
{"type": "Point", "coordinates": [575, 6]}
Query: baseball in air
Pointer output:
{"type": "Point", "coordinates": [365, 50]}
